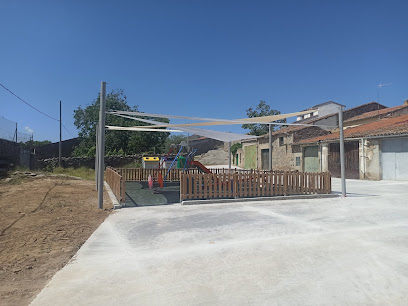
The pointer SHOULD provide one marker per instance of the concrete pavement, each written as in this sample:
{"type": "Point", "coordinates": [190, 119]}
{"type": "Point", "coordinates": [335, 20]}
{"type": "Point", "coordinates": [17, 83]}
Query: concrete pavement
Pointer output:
{"type": "Point", "coordinates": [321, 251]}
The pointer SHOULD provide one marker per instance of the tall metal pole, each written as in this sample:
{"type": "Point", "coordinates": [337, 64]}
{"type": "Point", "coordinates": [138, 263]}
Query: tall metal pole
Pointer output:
{"type": "Point", "coordinates": [342, 159]}
{"type": "Point", "coordinates": [270, 147]}
{"type": "Point", "coordinates": [101, 144]}
{"type": "Point", "coordinates": [16, 132]}
{"type": "Point", "coordinates": [96, 156]}
{"type": "Point", "coordinates": [229, 156]}
{"type": "Point", "coordinates": [60, 145]}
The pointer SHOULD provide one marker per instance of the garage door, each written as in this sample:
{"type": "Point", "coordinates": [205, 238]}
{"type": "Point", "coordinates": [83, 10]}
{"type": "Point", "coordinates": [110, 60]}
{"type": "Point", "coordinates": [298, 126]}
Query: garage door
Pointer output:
{"type": "Point", "coordinates": [311, 160]}
{"type": "Point", "coordinates": [395, 159]}
{"type": "Point", "coordinates": [351, 157]}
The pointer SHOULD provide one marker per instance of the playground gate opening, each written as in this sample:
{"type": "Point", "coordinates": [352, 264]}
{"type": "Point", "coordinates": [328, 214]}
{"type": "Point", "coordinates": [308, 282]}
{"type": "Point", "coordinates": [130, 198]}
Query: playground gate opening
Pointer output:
{"type": "Point", "coordinates": [257, 184]}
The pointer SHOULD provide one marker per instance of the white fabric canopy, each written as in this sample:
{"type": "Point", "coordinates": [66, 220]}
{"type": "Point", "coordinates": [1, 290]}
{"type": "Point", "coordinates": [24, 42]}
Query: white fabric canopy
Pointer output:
{"type": "Point", "coordinates": [263, 119]}
{"type": "Point", "coordinates": [222, 136]}
{"type": "Point", "coordinates": [139, 129]}
{"type": "Point", "coordinates": [214, 122]}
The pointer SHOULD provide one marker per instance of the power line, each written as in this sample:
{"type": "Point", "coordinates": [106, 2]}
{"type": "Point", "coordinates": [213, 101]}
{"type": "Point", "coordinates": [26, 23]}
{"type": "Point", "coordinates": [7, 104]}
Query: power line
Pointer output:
{"type": "Point", "coordinates": [36, 108]}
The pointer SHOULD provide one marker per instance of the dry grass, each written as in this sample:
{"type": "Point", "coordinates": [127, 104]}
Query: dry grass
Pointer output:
{"type": "Point", "coordinates": [82, 172]}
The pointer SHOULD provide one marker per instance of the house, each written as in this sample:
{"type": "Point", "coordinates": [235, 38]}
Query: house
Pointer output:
{"type": "Point", "coordinates": [374, 150]}
{"type": "Point", "coordinates": [254, 154]}
{"type": "Point", "coordinates": [286, 153]}
{"type": "Point", "coordinates": [204, 144]}
{"type": "Point", "coordinates": [377, 114]}
{"type": "Point", "coordinates": [320, 110]}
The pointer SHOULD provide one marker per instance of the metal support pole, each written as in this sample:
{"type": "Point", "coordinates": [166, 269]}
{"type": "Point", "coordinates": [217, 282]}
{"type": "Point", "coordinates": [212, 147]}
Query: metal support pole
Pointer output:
{"type": "Point", "coordinates": [101, 144]}
{"type": "Point", "coordinates": [16, 132]}
{"type": "Point", "coordinates": [96, 156]}
{"type": "Point", "coordinates": [342, 159]}
{"type": "Point", "coordinates": [270, 147]}
{"type": "Point", "coordinates": [229, 156]}
{"type": "Point", "coordinates": [60, 145]}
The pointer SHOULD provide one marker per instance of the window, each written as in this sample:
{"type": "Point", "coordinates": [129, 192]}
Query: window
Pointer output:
{"type": "Point", "coordinates": [297, 161]}
{"type": "Point", "coordinates": [281, 141]}
{"type": "Point", "coordinates": [306, 116]}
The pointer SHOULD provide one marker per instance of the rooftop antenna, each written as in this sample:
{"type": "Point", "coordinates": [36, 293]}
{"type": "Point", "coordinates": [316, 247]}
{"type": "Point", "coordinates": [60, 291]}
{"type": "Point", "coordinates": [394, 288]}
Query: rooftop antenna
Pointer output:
{"type": "Point", "coordinates": [379, 87]}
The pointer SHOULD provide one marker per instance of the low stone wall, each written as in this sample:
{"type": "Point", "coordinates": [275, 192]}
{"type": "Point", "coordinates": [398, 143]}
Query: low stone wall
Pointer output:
{"type": "Point", "coordinates": [89, 162]}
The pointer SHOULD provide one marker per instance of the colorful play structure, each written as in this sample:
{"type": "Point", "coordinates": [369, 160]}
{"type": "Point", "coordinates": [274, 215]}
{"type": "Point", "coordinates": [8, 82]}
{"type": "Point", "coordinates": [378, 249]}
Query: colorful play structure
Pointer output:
{"type": "Point", "coordinates": [178, 161]}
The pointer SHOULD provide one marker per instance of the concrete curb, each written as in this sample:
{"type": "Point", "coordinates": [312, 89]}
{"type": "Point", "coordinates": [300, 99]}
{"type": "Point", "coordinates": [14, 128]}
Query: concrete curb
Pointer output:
{"type": "Point", "coordinates": [115, 202]}
{"type": "Point", "coordinates": [278, 198]}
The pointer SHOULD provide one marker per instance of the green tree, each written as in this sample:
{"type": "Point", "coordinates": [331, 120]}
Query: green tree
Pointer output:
{"type": "Point", "coordinates": [235, 147]}
{"type": "Point", "coordinates": [34, 143]}
{"type": "Point", "coordinates": [116, 142]}
{"type": "Point", "coordinates": [261, 110]}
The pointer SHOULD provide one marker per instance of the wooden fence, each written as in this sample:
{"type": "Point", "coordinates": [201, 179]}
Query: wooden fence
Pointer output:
{"type": "Point", "coordinates": [116, 182]}
{"type": "Point", "coordinates": [257, 184]}
{"type": "Point", "coordinates": [140, 174]}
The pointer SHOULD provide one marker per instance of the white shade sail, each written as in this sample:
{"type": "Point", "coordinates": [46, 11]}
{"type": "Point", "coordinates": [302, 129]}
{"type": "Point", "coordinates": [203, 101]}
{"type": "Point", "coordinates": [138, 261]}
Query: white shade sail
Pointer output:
{"type": "Point", "coordinates": [211, 121]}
{"type": "Point", "coordinates": [222, 136]}
{"type": "Point", "coordinates": [138, 129]}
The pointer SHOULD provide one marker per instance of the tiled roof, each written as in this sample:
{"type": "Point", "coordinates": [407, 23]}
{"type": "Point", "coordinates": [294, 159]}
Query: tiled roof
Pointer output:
{"type": "Point", "coordinates": [201, 138]}
{"type": "Point", "coordinates": [311, 120]}
{"type": "Point", "coordinates": [345, 113]}
{"type": "Point", "coordinates": [358, 106]}
{"type": "Point", "coordinates": [288, 129]}
{"type": "Point", "coordinates": [380, 112]}
{"type": "Point", "coordinates": [389, 126]}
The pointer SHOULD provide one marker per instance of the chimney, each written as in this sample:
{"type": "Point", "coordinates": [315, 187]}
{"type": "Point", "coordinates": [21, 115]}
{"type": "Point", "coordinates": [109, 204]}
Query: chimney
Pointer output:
{"type": "Point", "coordinates": [406, 102]}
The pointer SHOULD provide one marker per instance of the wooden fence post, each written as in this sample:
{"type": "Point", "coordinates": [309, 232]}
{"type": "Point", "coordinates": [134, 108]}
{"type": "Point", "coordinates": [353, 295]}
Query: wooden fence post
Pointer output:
{"type": "Point", "coordinates": [123, 181]}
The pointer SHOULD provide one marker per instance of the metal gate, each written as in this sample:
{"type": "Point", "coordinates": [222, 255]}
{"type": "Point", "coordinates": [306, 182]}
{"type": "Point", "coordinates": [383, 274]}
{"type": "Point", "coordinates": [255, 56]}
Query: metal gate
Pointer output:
{"type": "Point", "coordinates": [395, 159]}
{"type": "Point", "coordinates": [311, 159]}
{"type": "Point", "coordinates": [351, 155]}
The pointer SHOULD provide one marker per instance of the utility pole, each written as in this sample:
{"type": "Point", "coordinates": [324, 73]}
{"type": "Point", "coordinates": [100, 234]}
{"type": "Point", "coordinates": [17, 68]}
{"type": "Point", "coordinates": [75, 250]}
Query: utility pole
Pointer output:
{"type": "Point", "coordinates": [101, 144]}
{"type": "Point", "coordinates": [60, 144]}
{"type": "Point", "coordinates": [342, 159]}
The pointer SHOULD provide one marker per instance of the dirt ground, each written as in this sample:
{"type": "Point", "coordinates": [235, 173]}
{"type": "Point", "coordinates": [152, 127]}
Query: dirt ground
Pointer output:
{"type": "Point", "coordinates": [43, 222]}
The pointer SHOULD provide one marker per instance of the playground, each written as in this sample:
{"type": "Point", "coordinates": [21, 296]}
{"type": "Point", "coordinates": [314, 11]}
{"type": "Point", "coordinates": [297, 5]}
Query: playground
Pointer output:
{"type": "Point", "coordinates": [193, 180]}
{"type": "Point", "coordinates": [158, 182]}
{"type": "Point", "coordinates": [176, 178]}
{"type": "Point", "coordinates": [135, 187]}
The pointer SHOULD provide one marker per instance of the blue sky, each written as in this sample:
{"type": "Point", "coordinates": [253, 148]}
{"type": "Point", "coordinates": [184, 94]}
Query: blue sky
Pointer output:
{"type": "Point", "coordinates": [199, 58]}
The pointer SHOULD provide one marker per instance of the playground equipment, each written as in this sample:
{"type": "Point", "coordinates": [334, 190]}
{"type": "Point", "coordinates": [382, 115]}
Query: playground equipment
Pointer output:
{"type": "Point", "coordinates": [181, 148]}
{"type": "Point", "coordinates": [188, 159]}
{"type": "Point", "coordinates": [200, 166]}
{"type": "Point", "coordinates": [165, 159]}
